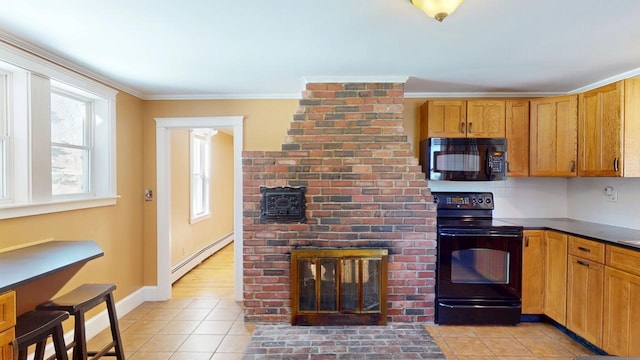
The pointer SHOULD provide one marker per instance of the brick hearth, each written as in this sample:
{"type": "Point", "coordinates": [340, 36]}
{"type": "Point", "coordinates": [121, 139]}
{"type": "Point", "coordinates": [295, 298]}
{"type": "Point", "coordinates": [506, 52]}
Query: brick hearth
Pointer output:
{"type": "Point", "coordinates": [347, 146]}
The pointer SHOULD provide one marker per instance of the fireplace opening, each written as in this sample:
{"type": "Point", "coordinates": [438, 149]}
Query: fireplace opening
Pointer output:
{"type": "Point", "coordinates": [339, 286]}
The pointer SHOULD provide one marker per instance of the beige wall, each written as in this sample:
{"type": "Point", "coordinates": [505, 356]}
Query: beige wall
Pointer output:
{"type": "Point", "coordinates": [118, 229]}
{"type": "Point", "coordinates": [187, 238]}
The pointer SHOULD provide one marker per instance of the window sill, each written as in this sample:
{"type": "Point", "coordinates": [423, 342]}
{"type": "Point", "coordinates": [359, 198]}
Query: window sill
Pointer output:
{"type": "Point", "coordinates": [199, 218]}
{"type": "Point", "coordinates": [10, 211]}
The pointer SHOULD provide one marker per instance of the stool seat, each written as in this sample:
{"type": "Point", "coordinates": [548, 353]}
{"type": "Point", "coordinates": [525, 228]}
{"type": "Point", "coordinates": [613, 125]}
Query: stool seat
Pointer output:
{"type": "Point", "coordinates": [77, 303]}
{"type": "Point", "coordinates": [34, 327]}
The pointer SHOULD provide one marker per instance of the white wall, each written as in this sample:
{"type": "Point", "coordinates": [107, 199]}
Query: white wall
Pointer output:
{"type": "Point", "coordinates": [518, 197]}
{"type": "Point", "coordinates": [587, 201]}
{"type": "Point", "coordinates": [576, 198]}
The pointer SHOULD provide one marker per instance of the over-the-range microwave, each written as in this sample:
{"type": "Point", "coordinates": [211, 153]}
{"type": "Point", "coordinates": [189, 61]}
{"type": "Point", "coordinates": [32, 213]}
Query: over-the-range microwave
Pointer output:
{"type": "Point", "coordinates": [464, 159]}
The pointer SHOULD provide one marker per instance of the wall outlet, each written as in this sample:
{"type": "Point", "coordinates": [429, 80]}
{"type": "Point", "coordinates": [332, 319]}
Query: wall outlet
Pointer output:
{"type": "Point", "coordinates": [611, 194]}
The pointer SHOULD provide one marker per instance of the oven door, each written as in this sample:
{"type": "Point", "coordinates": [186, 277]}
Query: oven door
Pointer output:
{"type": "Point", "coordinates": [479, 265]}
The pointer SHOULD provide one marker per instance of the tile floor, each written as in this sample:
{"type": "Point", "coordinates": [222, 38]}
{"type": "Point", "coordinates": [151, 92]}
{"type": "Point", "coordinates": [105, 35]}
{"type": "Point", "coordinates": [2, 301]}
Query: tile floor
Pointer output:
{"type": "Point", "coordinates": [202, 321]}
{"type": "Point", "coordinates": [526, 341]}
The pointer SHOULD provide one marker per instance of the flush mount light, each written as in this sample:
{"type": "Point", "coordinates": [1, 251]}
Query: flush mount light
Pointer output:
{"type": "Point", "coordinates": [437, 9]}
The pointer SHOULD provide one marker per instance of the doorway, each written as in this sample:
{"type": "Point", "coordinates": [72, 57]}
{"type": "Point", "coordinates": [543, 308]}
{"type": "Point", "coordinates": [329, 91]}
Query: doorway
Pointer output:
{"type": "Point", "coordinates": [163, 185]}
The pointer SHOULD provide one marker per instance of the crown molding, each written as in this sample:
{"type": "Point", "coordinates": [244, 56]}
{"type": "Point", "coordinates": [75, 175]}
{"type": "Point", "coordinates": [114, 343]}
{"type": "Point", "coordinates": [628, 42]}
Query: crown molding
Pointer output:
{"type": "Point", "coordinates": [625, 75]}
{"type": "Point", "coordinates": [48, 56]}
{"type": "Point", "coordinates": [454, 95]}
{"type": "Point", "coordinates": [224, 97]}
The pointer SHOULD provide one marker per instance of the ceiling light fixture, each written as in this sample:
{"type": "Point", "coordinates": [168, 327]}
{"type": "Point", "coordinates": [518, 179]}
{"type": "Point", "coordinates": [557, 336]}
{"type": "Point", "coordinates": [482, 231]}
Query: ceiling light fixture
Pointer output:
{"type": "Point", "coordinates": [437, 9]}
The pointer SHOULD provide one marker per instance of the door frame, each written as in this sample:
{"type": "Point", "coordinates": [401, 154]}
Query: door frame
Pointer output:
{"type": "Point", "coordinates": [163, 195]}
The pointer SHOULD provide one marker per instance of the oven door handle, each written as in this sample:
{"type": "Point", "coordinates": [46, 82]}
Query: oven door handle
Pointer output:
{"type": "Point", "coordinates": [497, 235]}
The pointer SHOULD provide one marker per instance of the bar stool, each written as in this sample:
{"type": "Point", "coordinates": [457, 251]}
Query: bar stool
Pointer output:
{"type": "Point", "coordinates": [77, 303]}
{"type": "Point", "coordinates": [35, 327]}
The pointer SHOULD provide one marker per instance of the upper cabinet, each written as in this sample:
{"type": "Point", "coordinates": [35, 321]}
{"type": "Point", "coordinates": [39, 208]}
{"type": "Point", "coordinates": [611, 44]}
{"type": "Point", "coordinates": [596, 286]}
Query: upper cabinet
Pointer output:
{"type": "Point", "coordinates": [609, 118]}
{"type": "Point", "coordinates": [554, 136]}
{"type": "Point", "coordinates": [443, 118]}
{"type": "Point", "coordinates": [517, 134]}
{"type": "Point", "coordinates": [460, 118]}
{"type": "Point", "coordinates": [486, 118]}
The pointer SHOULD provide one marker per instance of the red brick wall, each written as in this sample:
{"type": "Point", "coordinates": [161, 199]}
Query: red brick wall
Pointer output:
{"type": "Point", "coordinates": [347, 146]}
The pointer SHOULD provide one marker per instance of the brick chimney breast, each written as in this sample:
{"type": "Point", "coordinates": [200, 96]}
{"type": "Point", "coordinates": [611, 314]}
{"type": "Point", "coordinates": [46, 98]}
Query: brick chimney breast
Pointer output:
{"type": "Point", "coordinates": [347, 146]}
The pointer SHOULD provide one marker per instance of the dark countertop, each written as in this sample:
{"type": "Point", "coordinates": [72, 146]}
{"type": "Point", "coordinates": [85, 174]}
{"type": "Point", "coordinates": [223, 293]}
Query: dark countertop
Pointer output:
{"type": "Point", "coordinates": [584, 229]}
{"type": "Point", "coordinates": [26, 264]}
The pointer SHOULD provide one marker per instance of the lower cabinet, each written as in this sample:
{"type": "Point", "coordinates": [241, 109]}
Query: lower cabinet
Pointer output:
{"type": "Point", "coordinates": [533, 255]}
{"type": "Point", "coordinates": [7, 324]}
{"type": "Point", "coordinates": [555, 286]}
{"type": "Point", "coordinates": [621, 333]}
{"type": "Point", "coordinates": [585, 283]}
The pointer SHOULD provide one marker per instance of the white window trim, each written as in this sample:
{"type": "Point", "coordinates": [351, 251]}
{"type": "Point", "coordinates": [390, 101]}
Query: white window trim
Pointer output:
{"type": "Point", "coordinates": [24, 201]}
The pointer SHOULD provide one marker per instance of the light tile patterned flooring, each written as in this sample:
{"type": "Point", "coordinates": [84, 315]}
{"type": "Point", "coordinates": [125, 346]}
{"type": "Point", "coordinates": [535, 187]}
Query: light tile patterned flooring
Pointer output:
{"type": "Point", "coordinates": [202, 321]}
{"type": "Point", "coordinates": [526, 341]}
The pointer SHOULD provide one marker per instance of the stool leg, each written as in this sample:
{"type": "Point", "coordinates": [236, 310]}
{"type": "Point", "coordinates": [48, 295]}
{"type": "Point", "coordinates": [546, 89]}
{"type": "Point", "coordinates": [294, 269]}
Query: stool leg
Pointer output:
{"type": "Point", "coordinates": [115, 329]}
{"type": "Point", "coordinates": [79, 337]}
{"type": "Point", "coordinates": [58, 343]}
{"type": "Point", "coordinates": [39, 354]}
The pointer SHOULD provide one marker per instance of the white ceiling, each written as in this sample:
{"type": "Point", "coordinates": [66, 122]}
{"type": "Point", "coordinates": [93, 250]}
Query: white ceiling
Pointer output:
{"type": "Point", "coordinates": [269, 48]}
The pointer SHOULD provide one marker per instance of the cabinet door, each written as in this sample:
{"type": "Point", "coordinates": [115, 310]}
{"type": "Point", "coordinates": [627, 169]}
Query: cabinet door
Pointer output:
{"type": "Point", "coordinates": [555, 286]}
{"type": "Point", "coordinates": [533, 255]}
{"type": "Point", "coordinates": [517, 134]}
{"type": "Point", "coordinates": [6, 350]}
{"type": "Point", "coordinates": [446, 118]}
{"type": "Point", "coordinates": [486, 118]}
{"type": "Point", "coordinates": [585, 285]}
{"type": "Point", "coordinates": [621, 334]}
{"type": "Point", "coordinates": [553, 136]}
{"type": "Point", "coordinates": [600, 131]}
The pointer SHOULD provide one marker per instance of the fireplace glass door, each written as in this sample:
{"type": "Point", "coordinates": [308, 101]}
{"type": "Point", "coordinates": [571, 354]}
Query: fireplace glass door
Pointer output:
{"type": "Point", "coordinates": [339, 286]}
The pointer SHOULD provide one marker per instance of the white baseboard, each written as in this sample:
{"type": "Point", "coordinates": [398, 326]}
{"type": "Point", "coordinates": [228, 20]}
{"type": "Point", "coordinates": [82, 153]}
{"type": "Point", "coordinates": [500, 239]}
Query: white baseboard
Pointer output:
{"type": "Point", "coordinates": [199, 256]}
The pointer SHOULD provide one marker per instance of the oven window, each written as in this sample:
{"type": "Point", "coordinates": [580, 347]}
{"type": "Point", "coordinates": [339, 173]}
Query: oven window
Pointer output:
{"type": "Point", "coordinates": [479, 266]}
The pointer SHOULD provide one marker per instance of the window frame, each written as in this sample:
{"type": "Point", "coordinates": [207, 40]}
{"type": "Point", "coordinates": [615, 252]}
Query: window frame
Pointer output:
{"type": "Point", "coordinates": [200, 145]}
{"type": "Point", "coordinates": [32, 79]}
{"type": "Point", "coordinates": [5, 138]}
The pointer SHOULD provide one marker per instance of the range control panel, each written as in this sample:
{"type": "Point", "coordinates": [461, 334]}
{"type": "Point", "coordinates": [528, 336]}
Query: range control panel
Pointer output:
{"type": "Point", "coordinates": [463, 200]}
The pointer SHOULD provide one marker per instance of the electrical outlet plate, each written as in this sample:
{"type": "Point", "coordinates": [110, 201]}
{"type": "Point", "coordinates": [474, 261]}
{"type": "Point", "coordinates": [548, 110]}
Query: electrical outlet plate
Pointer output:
{"type": "Point", "coordinates": [612, 195]}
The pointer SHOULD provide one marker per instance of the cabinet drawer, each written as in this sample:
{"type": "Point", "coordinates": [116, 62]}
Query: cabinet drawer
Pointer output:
{"type": "Point", "coordinates": [7, 310]}
{"type": "Point", "coordinates": [623, 259]}
{"type": "Point", "coordinates": [586, 249]}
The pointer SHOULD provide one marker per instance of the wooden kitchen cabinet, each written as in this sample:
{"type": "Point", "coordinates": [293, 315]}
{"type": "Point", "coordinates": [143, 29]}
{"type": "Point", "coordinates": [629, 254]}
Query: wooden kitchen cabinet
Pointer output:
{"type": "Point", "coordinates": [554, 136]}
{"type": "Point", "coordinates": [533, 274]}
{"type": "Point", "coordinates": [462, 118]}
{"type": "Point", "coordinates": [585, 286]}
{"type": "Point", "coordinates": [555, 286]}
{"type": "Point", "coordinates": [517, 134]}
{"type": "Point", "coordinates": [609, 121]}
{"type": "Point", "coordinates": [621, 316]}
{"type": "Point", "coordinates": [443, 118]}
{"type": "Point", "coordinates": [486, 118]}
{"type": "Point", "coordinates": [7, 324]}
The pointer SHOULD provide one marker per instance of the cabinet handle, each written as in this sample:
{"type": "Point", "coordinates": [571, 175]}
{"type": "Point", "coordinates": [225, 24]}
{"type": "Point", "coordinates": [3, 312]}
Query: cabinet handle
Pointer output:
{"type": "Point", "coordinates": [583, 263]}
{"type": "Point", "coordinates": [526, 241]}
{"type": "Point", "coordinates": [584, 249]}
{"type": "Point", "coordinates": [508, 166]}
{"type": "Point", "coordinates": [572, 166]}
{"type": "Point", "coordinates": [615, 164]}
{"type": "Point", "coordinates": [470, 127]}
{"type": "Point", "coordinates": [463, 127]}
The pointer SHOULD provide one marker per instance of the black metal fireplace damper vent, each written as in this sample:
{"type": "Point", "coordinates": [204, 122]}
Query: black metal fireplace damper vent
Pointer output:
{"type": "Point", "coordinates": [283, 204]}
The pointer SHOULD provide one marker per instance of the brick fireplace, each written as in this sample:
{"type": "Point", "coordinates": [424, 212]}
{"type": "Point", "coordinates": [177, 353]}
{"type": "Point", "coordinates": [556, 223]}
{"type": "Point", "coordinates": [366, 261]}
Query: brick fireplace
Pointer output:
{"type": "Point", "coordinates": [364, 189]}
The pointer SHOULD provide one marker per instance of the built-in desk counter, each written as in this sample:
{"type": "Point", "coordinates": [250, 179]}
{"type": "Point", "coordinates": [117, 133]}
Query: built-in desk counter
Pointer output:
{"type": "Point", "coordinates": [24, 265]}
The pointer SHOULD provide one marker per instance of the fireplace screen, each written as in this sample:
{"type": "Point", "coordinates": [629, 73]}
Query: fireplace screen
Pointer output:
{"type": "Point", "coordinates": [339, 287]}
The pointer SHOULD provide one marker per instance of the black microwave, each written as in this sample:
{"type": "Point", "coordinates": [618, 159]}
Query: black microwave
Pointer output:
{"type": "Point", "coordinates": [464, 159]}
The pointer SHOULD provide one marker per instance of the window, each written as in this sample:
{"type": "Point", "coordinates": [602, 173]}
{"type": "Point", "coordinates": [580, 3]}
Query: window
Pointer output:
{"type": "Point", "coordinates": [200, 174]}
{"type": "Point", "coordinates": [57, 138]}
{"type": "Point", "coordinates": [70, 144]}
